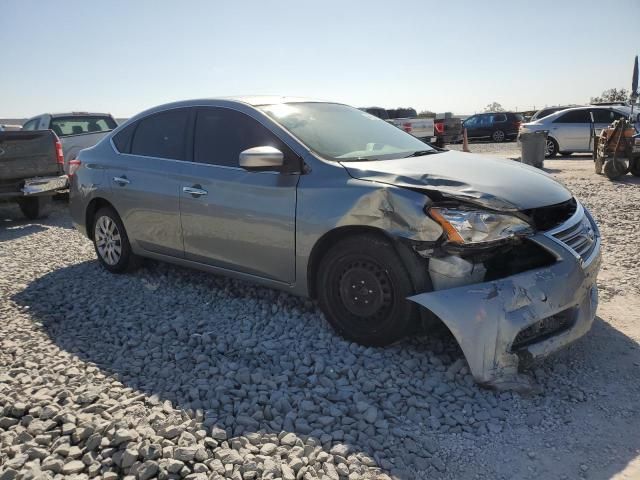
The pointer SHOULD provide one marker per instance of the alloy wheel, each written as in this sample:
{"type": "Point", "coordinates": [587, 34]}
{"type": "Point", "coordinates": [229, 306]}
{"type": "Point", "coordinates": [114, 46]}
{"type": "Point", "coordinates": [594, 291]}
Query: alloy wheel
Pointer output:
{"type": "Point", "coordinates": [108, 240]}
{"type": "Point", "coordinates": [550, 148]}
{"type": "Point", "coordinates": [498, 136]}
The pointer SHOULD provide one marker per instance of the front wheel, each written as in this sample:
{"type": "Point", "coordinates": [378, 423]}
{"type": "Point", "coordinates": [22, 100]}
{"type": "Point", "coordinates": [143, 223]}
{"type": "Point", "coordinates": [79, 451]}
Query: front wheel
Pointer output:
{"type": "Point", "coordinates": [363, 288]}
{"type": "Point", "coordinates": [111, 242]}
{"type": "Point", "coordinates": [498, 136]}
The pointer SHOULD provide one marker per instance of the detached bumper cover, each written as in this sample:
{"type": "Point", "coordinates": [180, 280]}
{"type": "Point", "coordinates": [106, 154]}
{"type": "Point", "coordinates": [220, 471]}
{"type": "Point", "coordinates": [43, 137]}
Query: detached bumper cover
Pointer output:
{"type": "Point", "coordinates": [486, 318]}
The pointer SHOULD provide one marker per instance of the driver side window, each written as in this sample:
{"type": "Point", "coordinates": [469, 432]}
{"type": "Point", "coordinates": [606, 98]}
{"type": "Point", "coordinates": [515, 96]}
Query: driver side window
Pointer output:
{"type": "Point", "coordinates": [221, 134]}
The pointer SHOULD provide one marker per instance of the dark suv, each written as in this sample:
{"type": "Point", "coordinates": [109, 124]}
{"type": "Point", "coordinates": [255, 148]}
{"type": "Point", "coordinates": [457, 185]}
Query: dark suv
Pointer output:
{"type": "Point", "coordinates": [497, 126]}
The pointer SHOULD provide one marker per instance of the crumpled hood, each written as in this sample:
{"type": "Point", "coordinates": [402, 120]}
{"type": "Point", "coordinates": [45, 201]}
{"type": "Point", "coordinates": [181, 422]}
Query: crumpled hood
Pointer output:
{"type": "Point", "coordinates": [495, 183]}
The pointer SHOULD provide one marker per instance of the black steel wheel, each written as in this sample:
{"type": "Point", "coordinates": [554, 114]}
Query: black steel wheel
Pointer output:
{"type": "Point", "coordinates": [362, 289]}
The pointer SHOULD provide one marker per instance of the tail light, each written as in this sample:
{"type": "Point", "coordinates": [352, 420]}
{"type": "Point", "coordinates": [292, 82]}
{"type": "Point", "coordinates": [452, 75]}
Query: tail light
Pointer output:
{"type": "Point", "coordinates": [59, 153]}
{"type": "Point", "coordinates": [439, 127]}
{"type": "Point", "coordinates": [74, 165]}
{"type": "Point", "coordinates": [407, 127]}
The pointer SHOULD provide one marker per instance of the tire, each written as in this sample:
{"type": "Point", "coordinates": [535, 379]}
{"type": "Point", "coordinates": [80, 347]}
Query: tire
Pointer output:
{"type": "Point", "coordinates": [634, 167]}
{"type": "Point", "coordinates": [363, 286]}
{"type": "Point", "coordinates": [599, 162]}
{"type": "Point", "coordinates": [498, 136]}
{"type": "Point", "coordinates": [613, 169]}
{"type": "Point", "coordinates": [111, 242]}
{"type": "Point", "coordinates": [566, 154]}
{"type": "Point", "coordinates": [551, 148]}
{"type": "Point", "coordinates": [35, 207]}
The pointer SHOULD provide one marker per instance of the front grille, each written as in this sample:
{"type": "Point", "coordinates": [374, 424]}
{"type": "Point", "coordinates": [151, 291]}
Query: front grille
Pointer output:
{"type": "Point", "coordinates": [545, 328]}
{"type": "Point", "coordinates": [546, 218]}
{"type": "Point", "coordinates": [580, 237]}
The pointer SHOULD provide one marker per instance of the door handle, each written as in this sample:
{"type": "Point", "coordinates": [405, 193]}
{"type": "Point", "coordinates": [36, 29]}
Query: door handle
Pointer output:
{"type": "Point", "coordinates": [194, 191]}
{"type": "Point", "coordinates": [122, 181]}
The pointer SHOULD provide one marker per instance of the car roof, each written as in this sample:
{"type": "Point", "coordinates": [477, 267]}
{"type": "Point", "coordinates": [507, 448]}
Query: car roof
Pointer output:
{"type": "Point", "coordinates": [78, 114]}
{"type": "Point", "coordinates": [555, 115]}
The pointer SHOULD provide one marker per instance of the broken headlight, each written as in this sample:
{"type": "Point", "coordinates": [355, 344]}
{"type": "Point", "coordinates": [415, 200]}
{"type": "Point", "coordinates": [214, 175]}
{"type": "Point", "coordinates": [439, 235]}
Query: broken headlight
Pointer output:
{"type": "Point", "coordinates": [468, 227]}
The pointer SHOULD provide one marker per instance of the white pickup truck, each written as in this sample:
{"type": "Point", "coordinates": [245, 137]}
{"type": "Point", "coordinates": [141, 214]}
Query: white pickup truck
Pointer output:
{"type": "Point", "coordinates": [76, 130]}
{"type": "Point", "coordinates": [407, 119]}
{"type": "Point", "coordinates": [422, 128]}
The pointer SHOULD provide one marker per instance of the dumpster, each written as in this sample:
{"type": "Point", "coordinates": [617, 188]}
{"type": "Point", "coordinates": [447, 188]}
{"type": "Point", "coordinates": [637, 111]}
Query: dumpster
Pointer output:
{"type": "Point", "coordinates": [532, 147]}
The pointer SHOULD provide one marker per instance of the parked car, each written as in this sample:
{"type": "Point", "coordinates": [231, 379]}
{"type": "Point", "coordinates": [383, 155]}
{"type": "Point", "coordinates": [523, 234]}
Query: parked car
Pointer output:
{"type": "Point", "coordinates": [31, 170]}
{"type": "Point", "coordinates": [319, 200]}
{"type": "Point", "coordinates": [544, 112]}
{"type": "Point", "coordinates": [77, 130]}
{"type": "Point", "coordinates": [496, 126]}
{"type": "Point", "coordinates": [570, 130]}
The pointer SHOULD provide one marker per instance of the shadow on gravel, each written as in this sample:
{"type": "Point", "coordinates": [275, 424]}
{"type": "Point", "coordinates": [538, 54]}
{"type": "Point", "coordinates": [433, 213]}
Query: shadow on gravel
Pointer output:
{"type": "Point", "coordinates": [13, 223]}
{"type": "Point", "coordinates": [257, 360]}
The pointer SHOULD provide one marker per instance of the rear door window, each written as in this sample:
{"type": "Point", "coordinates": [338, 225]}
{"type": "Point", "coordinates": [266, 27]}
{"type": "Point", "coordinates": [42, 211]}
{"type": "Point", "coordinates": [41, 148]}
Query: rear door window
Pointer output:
{"type": "Point", "coordinates": [221, 134]}
{"type": "Point", "coordinates": [498, 118]}
{"type": "Point", "coordinates": [122, 140]}
{"type": "Point", "coordinates": [575, 116]}
{"type": "Point", "coordinates": [162, 135]}
{"type": "Point", "coordinates": [65, 126]}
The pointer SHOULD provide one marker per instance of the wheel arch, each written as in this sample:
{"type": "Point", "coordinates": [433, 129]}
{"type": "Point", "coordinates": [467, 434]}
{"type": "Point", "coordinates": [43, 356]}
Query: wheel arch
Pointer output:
{"type": "Point", "coordinates": [415, 265]}
{"type": "Point", "coordinates": [92, 208]}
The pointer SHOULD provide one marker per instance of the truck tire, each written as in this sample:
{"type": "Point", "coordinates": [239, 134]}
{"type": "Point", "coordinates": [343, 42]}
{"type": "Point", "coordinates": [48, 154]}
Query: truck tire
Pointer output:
{"type": "Point", "coordinates": [35, 207]}
{"type": "Point", "coordinates": [363, 287]}
{"type": "Point", "coordinates": [634, 167]}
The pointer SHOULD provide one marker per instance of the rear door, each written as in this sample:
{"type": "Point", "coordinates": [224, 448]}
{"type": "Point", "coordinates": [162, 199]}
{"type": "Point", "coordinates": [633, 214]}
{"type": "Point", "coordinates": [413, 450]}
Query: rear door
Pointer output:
{"type": "Point", "coordinates": [240, 220]}
{"type": "Point", "coordinates": [144, 179]}
{"type": "Point", "coordinates": [572, 131]}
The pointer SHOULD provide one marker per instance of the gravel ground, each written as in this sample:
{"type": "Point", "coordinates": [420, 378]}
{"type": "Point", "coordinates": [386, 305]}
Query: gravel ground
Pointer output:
{"type": "Point", "coordinates": [172, 373]}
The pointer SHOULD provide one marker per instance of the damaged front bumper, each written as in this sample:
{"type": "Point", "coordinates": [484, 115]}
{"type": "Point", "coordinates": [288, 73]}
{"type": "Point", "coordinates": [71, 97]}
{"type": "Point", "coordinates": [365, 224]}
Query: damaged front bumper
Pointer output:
{"type": "Point", "coordinates": [530, 314]}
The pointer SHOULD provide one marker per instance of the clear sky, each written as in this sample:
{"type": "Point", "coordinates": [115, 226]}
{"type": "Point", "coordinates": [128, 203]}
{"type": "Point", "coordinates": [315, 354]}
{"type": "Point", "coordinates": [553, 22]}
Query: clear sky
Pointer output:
{"type": "Point", "coordinates": [123, 56]}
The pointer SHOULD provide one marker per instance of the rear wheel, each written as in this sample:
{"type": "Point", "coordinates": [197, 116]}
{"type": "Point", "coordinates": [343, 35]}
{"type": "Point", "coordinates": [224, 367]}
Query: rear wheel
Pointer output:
{"type": "Point", "coordinates": [551, 148]}
{"type": "Point", "coordinates": [363, 286]}
{"type": "Point", "coordinates": [498, 136]}
{"type": "Point", "coordinates": [111, 242]}
{"type": "Point", "coordinates": [35, 207]}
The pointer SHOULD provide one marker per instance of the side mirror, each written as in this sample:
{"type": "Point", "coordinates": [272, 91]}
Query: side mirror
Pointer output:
{"type": "Point", "coordinates": [261, 158]}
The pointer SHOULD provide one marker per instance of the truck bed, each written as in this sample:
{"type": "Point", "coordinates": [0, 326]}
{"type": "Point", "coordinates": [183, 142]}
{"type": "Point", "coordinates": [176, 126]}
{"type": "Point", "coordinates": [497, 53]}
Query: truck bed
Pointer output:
{"type": "Point", "coordinates": [26, 155]}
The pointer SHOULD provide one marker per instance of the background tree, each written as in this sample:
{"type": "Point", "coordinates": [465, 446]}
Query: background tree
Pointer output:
{"type": "Point", "coordinates": [494, 107]}
{"type": "Point", "coordinates": [426, 114]}
{"type": "Point", "coordinates": [612, 95]}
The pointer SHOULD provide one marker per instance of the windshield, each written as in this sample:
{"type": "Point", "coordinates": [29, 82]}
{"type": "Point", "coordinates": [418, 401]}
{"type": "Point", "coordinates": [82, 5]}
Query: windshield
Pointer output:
{"type": "Point", "coordinates": [339, 132]}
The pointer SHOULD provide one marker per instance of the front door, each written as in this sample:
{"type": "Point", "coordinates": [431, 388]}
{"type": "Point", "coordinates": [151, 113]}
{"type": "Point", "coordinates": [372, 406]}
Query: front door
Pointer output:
{"type": "Point", "coordinates": [572, 131]}
{"type": "Point", "coordinates": [144, 180]}
{"type": "Point", "coordinates": [232, 218]}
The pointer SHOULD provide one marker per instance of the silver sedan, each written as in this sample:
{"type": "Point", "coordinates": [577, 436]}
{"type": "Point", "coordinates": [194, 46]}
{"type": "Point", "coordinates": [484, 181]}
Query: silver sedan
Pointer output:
{"type": "Point", "coordinates": [571, 130]}
{"type": "Point", "coordinates": [323, 200]}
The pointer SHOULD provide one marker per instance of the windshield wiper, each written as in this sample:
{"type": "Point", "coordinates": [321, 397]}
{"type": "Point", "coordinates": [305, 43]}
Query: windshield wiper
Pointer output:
{"type": "Point", "coordinates": [420, 153]}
